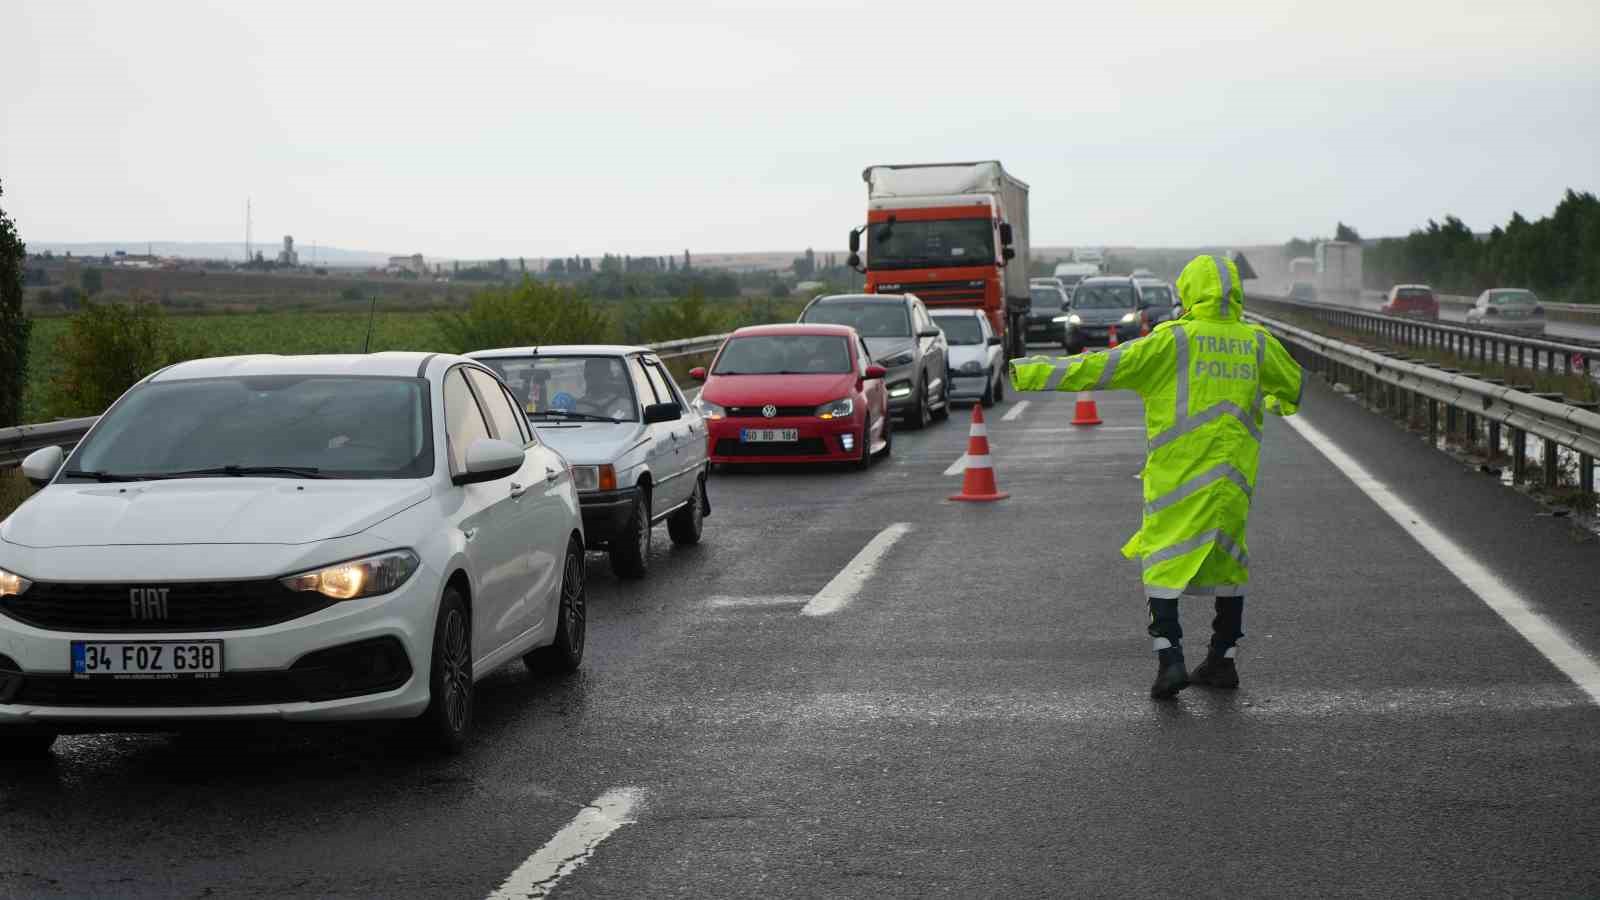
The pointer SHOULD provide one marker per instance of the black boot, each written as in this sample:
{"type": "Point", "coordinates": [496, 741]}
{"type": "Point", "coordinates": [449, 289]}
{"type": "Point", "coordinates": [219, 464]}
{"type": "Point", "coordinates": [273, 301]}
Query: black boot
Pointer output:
{"type": "Point", "coordinates": [1171, 676]}
{"type": "Point", "coordinates": [1217, 671]}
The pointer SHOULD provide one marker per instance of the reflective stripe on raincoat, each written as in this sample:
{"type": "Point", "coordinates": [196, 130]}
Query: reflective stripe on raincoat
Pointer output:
{"type": "Point", "coordinates": [1206, 379]}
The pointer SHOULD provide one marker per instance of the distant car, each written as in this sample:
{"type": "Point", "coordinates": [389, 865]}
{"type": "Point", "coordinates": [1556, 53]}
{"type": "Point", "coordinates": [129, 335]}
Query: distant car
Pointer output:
{"type": "Point", "coordinates": [1098, 305]}
{"type": "Point", "coordinates": [1303, 290]}
{"type": "Point", "coordinates": [1411, 300]}
{"type": "Point", "coordinates": [1048, 304]}
{"type": "Point", "coordinates": [977, 360]}
{"type": "Point", "coordinates": [1508, 309]}
{"type": "Point", "coordinates": [904, 340]}
{"type": "Point", "coordinates": [301, 538]}
{"type": "Point", "coordinates": [795, 393]}
{"type": "Point", "coordinates": [1141, 273]}
{"type": "Point", "coordinates": [1048, 281]}
{"type": "Point", "coordinates": [1157, 299]}
{"type": "Point", "coordinates": [637, 449]}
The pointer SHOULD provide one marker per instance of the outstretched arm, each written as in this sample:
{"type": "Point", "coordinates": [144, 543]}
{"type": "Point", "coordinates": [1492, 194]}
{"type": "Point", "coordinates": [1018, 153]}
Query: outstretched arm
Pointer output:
{"type": "Point", "coordinates": [1121, 368]}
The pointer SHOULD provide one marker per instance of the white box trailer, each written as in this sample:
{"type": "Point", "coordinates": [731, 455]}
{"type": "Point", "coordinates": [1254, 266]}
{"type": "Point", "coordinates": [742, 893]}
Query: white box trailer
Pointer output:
{"type": "Point", "coordinates": [1338, 270]}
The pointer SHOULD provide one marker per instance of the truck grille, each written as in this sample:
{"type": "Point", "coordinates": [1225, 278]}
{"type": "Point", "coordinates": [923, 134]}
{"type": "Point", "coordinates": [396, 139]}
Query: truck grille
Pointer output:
{"type": "Point", "coordinates": [948, 293]}
{"type": "Point", "coordinates": [190, 606]}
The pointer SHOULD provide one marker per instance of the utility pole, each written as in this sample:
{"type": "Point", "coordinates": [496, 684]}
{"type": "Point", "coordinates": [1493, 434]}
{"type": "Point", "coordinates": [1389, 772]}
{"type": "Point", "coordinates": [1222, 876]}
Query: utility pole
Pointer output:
{"type": "Point", "coordinates": [249, 252]}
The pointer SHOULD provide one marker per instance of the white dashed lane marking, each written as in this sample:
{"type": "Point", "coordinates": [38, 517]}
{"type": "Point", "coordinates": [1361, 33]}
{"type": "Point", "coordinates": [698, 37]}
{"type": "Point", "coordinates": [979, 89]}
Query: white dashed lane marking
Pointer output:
{"type": "Point", "coordinates": [838, 593]}
{"type": "Point", "coordinates": [1013, 412]}
{"type": "Point", "coordinates": [571, 847]}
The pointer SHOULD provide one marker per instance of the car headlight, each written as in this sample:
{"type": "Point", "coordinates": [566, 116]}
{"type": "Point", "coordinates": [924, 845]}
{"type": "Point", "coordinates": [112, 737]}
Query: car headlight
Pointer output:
{"type": "Point", "coordinates": [357, 578]}
{"type": "Point", "coordinates": [900, 389]}
{"type": "Point", "coordinates": [838, 409]}
{"type": "Point", "coordinates": [594, 478]}
{"type": "Point", "coordinates": [1074, 319]}
{"type": "Point", "coordinates": [12, 584]}
{"type": "Point", "coordinates": [709, 410]}
{"type": "Point", "coordinates": [1130, 318]}
{"type": "Point", "coordinates": [972, 367]}
{"type": "Point", "coordinates": [899, 359]}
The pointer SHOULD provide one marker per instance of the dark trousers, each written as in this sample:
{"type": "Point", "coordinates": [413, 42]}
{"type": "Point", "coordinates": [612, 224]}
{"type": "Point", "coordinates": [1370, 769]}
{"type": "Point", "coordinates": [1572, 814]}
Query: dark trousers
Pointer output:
{"type": "Point", "coordinates": [1226, 629]}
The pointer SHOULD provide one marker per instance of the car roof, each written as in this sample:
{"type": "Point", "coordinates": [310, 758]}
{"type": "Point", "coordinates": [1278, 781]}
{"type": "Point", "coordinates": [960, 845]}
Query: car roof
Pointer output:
{"type": "Point", "coordinates": [397, 364]}
{"type": "Point", "coordinates": [559, 350]}
{"type": "Point", "coordinates": [953, 312]}
{"type": "Point", "coordinates": [1418, 287]}
{"type": "Point", "coordinates": [1106, 279]}
{"type": "Point", "coordinates": [857, 298]}
{"type": "Point", "coordinates": [794, 328]}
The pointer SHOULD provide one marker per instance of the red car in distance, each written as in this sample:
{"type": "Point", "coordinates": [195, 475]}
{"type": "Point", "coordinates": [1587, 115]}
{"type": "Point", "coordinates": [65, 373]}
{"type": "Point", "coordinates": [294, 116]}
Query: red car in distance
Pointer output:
{"type": "Point", "coordinates": [794, 393]}
{"type": "Point", "coordinates": [1414, 300]}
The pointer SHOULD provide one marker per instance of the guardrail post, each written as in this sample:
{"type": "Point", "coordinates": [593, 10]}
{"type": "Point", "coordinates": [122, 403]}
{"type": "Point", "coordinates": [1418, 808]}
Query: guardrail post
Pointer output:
{"type": "Point", "coordinates": [1520, 363]}
{"type": "Point", "coordinates": [1494, 424]}
{"type": "Point", "coordinates": [1585, 461]}
{"type": "Point", "coordinates": [1433, 421]}
{"type": "Point", "coordinates": [1519, 455]}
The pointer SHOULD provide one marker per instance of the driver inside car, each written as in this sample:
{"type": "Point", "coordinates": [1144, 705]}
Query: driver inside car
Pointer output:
{"type": "Point", "coordinates": [605, 393]}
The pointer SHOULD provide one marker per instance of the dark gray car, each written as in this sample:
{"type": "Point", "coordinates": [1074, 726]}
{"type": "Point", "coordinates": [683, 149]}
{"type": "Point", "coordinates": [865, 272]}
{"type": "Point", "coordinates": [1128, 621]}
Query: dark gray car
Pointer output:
{"type": "Point", "coordinates": [903, 339]}
{"type": "Point", "coordinates": [1156, 298]}
{"type": "Point", "coordinates": [1098, 304]}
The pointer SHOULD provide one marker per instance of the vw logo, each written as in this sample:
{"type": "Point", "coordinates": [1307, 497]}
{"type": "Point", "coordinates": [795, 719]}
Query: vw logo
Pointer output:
{"type": "Point", "coordinates": [769, 411]}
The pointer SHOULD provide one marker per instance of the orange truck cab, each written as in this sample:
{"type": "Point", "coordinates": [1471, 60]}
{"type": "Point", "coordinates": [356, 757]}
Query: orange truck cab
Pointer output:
{"type": "Point", "coordinates": [953, 234]}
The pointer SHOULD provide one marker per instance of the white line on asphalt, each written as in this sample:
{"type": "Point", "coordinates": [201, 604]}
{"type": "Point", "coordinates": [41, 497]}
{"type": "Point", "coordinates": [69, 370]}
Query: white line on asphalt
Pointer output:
{"type": "Point", "coordinates": [958, 466]}
{"type": "Point", "coordinates": [1015, 411]}
{"type": "Point", "coordinates": [838, 593]}
{"type": "Point", "coordinates": [571, 847]}
{"type": "Point", "coordinates": [727, 600]}
{"type": "Point", "coordinates": [1543, 634]}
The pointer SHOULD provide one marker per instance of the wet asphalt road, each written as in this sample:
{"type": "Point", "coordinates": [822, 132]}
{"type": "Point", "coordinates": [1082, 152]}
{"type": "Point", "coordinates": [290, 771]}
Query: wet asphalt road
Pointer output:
{"type": "Point", "coordinates": [973, 723]}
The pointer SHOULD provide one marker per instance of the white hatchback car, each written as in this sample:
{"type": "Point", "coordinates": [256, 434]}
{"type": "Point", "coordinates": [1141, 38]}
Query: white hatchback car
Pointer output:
{"type": "Point", "coordinates": [977, 363]}
{"type": "Point", "coordinates": [302, 538]}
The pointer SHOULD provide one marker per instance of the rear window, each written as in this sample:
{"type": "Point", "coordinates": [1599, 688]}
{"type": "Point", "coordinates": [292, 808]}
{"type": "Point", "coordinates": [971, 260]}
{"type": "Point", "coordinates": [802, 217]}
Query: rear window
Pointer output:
{"type": "Point", "coordinates": [870, 319]}
{"type": "Point", "coordinates": [1156, 296]}
{"type": "Point", "coordinates": [1512, 298]}
{"type": "Point", "coordinates": [1413, 294]}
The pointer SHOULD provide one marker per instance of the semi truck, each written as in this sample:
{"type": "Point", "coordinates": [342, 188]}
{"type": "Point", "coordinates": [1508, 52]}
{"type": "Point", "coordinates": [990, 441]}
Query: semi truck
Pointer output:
{"type": "Point", "coordinates": [1339, 272]}
{"type": "Point", "coordinates": [954, 234]}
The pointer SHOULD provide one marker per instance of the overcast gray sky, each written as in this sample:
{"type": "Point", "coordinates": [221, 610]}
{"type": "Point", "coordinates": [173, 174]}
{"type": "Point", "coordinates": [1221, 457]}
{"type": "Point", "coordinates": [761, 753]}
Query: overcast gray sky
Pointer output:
{"type": "Point", "coordinates": [486, 129]}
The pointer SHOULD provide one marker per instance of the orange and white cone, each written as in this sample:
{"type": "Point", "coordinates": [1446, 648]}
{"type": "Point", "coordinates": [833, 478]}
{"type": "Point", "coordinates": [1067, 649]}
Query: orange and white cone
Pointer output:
{"type": "Point", "coordinates": [1144, 325]}
{"type": "Point", "coordinates": [1111, 337]}
{"type": "Point", "coordinates": [977, 481]}
{"type": "Point", "coordinates": [1085, 413]}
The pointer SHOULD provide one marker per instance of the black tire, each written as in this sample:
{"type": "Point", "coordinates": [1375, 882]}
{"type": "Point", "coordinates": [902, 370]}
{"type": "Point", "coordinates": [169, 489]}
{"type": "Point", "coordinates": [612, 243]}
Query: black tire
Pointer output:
{"type": "Point", "coordinates": [865, 462]}
{"type": "Point", "coordinates": [888, 437]}
{"type": "Point", "coordinates": [943, 412]}
{"type": "Point", "coordinates": [988, 395]}
{"type": "Point", "coordinates": [921, 415]}
{"type": "Point", "coordinates": [630, 549]}
{"type": "Point", "coordinates": [25, 743]}
{"type": "Point", "coordinates": [565, 654]}
{"type": "Point", "coordinates": [447, 722]}
{"type": "Point", "coordinates": [1000, 387]}
{"type": "Point", "coordinates": [685, 525]}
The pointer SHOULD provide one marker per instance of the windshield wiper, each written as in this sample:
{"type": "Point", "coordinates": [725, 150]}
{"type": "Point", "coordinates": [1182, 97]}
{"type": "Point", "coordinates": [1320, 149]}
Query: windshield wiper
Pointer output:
{"type": "Point", "coordinates": [102, 476]}
{"type": "Point", "coordinates": [582, 416]}
{"type": "Point", "coordinates": [241, 471]}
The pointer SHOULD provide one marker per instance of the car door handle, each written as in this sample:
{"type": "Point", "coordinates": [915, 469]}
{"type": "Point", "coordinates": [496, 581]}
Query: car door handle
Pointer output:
{"type": "Point", "coordinates": [551, 474]}
{"type": "Point", "coordinates": [517, 490]}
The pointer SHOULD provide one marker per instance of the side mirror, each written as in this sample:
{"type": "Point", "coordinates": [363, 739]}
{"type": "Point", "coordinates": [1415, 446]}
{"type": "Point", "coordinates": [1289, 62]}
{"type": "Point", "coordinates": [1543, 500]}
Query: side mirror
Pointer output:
{"type": "Point", "coordinates": [1005, 234]}
{"type": "Point", "coordinates": [1007, 252]}
{"type": "Point", "coordinates": [698, 373]}
{"type": "Point", "coordinates": [995, 341]}
{"type": "Point", "coordinates": [42, 465]}
{"type": "Point", "coordinates": [853, 261]}
{"type": "Point", "coordinates": [876, 372]}
{"type": "Point", "coordinates": [490, 460]}
{"type": "Point", "coordinates": [855, 242]}
{"type": "Point", "coordinates": [662, 412]}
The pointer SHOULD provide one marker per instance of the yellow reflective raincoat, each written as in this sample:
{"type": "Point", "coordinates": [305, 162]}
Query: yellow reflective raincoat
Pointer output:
{"type": "Point", "coordinates": [1205, 378]}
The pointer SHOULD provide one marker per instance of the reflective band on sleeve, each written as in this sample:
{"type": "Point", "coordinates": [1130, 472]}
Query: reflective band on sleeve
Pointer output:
{"type": "Point", "coordinates": [1190, 424]}
{"type": "Point", "coordinates": [1219, 472]}
{"type": "Point", "coordinates": [1111, 366]}
{"type": "Point", "coordinates": [1225, 279]}
{"type": "Point", "coordinates": [1062, 367]}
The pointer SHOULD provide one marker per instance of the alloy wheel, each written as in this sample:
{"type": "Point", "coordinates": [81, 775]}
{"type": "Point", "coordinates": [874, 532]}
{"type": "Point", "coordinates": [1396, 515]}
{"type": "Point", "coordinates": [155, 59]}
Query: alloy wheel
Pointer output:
{"type": "Point", "coordinates": [456, 664]}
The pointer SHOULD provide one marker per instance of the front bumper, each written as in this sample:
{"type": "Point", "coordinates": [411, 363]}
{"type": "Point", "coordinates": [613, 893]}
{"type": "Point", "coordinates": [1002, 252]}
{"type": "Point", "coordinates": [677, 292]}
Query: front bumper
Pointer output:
{"type": "Point", "coordinates": [359, 659]}
{"type": "Point", "coordinates": [605, 513]}
{"type": "Point", "coordinates": [1044, 330]}
{"type": "Point", "coordinates": [821, 440]}
{"type": "Point", "coordinates": [965, 386]}
{"type": "Point", "coordinates": [1100, 334]}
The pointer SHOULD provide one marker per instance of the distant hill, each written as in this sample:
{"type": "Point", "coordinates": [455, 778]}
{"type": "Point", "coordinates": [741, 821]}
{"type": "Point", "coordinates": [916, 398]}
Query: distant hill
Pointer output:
{"type": "Point", "coordinates": [328, 256]}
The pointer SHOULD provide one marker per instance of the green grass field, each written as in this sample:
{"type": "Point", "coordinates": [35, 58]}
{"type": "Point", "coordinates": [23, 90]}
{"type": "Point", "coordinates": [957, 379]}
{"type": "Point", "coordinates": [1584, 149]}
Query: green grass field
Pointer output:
{"type": "Point", "coordinates": [228, 335]}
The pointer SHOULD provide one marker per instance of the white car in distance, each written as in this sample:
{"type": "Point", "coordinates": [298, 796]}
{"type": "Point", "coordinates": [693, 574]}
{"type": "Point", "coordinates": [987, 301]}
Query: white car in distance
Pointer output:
{"type": "Point", "coordinates": [304, 538]}
{"type": "Point", "coordinates": [977, 359]}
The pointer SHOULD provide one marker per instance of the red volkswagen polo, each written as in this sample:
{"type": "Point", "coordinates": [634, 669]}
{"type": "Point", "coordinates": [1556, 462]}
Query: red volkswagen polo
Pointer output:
{"type": "Point", "coordinates": [795, 393]}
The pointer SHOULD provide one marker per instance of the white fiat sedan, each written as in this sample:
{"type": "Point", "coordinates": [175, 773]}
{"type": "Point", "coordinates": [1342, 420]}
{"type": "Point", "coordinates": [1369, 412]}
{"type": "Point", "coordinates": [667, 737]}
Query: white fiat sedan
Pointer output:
{"type": "Point", "coordinates": [299, 538]}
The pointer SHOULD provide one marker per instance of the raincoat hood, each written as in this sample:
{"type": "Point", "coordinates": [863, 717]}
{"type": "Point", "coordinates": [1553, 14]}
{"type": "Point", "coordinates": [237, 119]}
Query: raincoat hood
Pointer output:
{"type": "Point", "coordinates": [1210, 289]}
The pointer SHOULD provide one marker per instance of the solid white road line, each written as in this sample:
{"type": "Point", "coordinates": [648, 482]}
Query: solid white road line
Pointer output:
{"type": "Point", "coordinates": [838, 593]}
{"type": "Point", "coordinates": [1543, 634]}
{"type": "Point", "coordinates": [732, 601]}
{"type": "Point", "coordinates": [571, 847]}
{"type": "Point", "coordinates": [1015, 411]}
{"type": "Point", "coordinates": [957, 467]}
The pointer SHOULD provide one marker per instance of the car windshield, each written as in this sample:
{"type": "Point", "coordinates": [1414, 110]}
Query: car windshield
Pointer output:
{"type": "Point", "coordinates": [1103, 296]}
{"type": "Point", "coordinates": [574, 386]}
{"type": "Point", "coordinates": [784, 354]}
{"type": "Point", "coordinates": [945, 242]}
{"type": "Point", "coordinates": [961, 331]}
{"type": "Point", "coordinates": [870, 318]}
{"type": "Point", "coordinates": [1156, 296]}
{"type": "Point", "coordinates": [1513, 298]}
{"type": "Point", "coordinates": [1045, 297]}
{"type": "Point", "coordinates": [326, 426]}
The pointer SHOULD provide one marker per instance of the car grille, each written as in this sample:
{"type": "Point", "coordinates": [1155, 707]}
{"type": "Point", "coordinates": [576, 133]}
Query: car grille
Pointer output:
{"type": "Point", "coordinates": [190, 606]}
{"type": "Point", "coordinates": [947, 293]}
{"type": "Point", "coordinates": [753, 412]}
{"type": "Point", "coordinates": [804, 447]}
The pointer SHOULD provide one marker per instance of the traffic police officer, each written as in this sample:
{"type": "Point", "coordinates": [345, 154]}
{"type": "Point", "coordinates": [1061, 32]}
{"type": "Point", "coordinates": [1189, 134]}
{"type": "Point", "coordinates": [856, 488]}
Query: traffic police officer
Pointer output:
{"type": "Point", "coordinates": [1206, 379]}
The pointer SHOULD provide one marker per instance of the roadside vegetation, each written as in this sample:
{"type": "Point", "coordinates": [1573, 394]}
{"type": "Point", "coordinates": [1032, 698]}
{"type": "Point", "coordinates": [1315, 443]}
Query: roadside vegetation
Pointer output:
{"type": "Point", "coordinates": [13, 490]}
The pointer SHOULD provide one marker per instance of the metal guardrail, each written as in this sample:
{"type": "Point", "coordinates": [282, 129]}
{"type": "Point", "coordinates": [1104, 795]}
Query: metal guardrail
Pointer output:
{"type": "Point", "coordinates": [1470, 405]}
{"type": "Point", "coordinates": [19, 441]}
{"type": "Point", "coordinates": [1468, 343]}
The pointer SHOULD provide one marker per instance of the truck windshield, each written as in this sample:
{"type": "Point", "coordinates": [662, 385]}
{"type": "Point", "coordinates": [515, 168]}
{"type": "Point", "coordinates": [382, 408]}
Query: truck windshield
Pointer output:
{"type": "Point", "coordinates": [916, 245]}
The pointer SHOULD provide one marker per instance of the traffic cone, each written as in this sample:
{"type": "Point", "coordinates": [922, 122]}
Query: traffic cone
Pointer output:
{"type": "Point", "coordinates": [1111, 340]}
{"type": "Point", "coordinates": [977, 482]}
{"type": "Point", "coordinates": [1085, 413]}
{"type": "Point", "coordinates": [1144, 326]}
